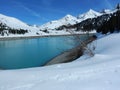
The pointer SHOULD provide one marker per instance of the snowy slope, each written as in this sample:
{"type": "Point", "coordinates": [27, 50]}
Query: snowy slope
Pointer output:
{"type": "Point", "coordinates": [106, 11]}
{"type": "Point", "coordinates": [14, 23]}
{"type": "Point", "coordinates": [68, 19]}
{"type": "Point", "coordinates": [101, 72]}
{"type": "Point", "coordinates": [90, 14]}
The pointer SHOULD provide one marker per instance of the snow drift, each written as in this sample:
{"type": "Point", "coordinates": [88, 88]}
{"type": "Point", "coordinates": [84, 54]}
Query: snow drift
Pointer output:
{"type": "Point", "coordinates": [100, 72]}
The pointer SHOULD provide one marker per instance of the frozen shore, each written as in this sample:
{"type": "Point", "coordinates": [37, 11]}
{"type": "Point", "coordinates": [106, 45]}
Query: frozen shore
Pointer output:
{"type": "Point", "coordinates": [35, 36]}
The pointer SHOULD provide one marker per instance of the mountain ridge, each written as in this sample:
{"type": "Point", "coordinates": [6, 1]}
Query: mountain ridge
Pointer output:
{"type": "Point", "coordinates": [89, 14]}
{"type": "Point", "coordinates": [69, 20]}
{"type": "Point", "coordinates": [16, 26]}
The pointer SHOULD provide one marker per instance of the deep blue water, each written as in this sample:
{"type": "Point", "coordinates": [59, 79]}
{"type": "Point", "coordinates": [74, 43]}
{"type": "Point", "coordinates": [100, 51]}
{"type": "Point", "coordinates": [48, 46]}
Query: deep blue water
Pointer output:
{"type": "Point", "coordinates": [24, 53]}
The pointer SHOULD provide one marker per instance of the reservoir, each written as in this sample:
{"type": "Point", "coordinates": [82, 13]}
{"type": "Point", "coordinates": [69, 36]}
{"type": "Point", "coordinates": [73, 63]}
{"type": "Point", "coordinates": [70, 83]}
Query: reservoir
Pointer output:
{"type": "Point", "coordinates": [27, 53]}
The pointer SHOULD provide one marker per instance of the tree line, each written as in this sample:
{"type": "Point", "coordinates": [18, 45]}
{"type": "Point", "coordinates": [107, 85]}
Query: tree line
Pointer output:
{"type": "Point", "coordinates": [106, 23]}
{"type": "Point", "coordinates": [112, 25]}
{"type": "Point", "coordinates": [7, 30]}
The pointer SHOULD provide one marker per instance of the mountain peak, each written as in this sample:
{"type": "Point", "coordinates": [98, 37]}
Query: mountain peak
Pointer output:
{"type": "Point", "coordinates": [93, 12]}
{"type": "Point", "coordinates": [90, 14]}
{"type": "Point", "coordinates": [68, 17]}
{"type": "Point", "coordinates": [14, 23]}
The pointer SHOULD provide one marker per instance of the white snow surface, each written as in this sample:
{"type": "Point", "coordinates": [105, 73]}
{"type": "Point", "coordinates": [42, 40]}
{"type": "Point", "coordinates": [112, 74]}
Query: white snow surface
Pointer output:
{"type": "Point", "coordinates": [90, 14]}
{"type": "Point", "coordinates": [68, 19]}
{"type": "Point", "coordinates": [15, 23]}
{"type": "Point", "coordinates": [106, 11]}
{"type": "Point", "coordinates": [35, 30]}
{"type": "Point", "coordinates": [101, 72]}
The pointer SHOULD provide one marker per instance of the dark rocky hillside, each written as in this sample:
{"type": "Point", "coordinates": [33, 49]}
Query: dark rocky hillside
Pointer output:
{"type": "Point", "coordinates": [4, 29]}
{"type": "Point", "coordinates": [105, 23]}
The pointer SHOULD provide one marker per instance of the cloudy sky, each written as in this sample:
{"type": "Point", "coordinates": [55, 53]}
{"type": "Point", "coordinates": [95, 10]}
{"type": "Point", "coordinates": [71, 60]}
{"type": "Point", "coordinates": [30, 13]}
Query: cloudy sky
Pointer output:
{"type": "Point", "coordinates": [42, 11]}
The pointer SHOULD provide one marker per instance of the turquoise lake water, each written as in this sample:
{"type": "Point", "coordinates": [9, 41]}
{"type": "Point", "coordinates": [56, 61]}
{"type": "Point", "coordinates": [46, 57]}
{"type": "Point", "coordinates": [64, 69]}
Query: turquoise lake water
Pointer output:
{"type": "Point", "coordinates": [25, 53]}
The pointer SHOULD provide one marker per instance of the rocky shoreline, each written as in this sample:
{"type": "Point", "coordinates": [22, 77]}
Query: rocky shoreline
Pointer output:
{"type": "Point", "coordinates": [71, 54]}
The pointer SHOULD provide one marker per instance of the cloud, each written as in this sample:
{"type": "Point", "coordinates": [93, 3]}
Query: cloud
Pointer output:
{"type": "Point", "coordinates": [109, 5]}
{"type": "Point", "coordinates": [32, 12]}
{"type": "Point", "coordinates": [47, 6]}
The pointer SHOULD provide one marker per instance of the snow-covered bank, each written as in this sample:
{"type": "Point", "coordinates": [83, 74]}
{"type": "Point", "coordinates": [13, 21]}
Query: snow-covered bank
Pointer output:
{"type": "Point", "coordinates": [101, 72]}
{"type": "Point", "coordinates": [34, 35]}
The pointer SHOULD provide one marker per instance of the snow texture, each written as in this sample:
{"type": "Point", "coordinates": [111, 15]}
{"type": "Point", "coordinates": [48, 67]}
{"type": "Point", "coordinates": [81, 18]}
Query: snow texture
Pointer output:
{"type": "Point", "coordinates": [90, 14]}
{"type": "Point", "coordinates": [101, 72]}
{"type": "Point", "coordinates": [51, 27]}
{"type": "Point", "coordinates": [67, 20]}
{"type": "Point", "coordinates": [34, 30]}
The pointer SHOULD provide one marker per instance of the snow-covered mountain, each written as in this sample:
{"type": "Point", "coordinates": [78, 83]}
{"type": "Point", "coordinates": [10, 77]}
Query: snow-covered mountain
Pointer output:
{"type": "Point", "coordinates": [57, 26]}
{"type": "Point", "coordinates": [10, 26]}
{"type": "Point", "coordinates": [14, 23]}
{"type": "Point", "coordinates": [90, 14]}
{"type": "Point", "coordinates": [67, 20]}
{"type": "Point", "coordinates": [104, 23]}
{"type": "Point", "coordinates": [106, 11]}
